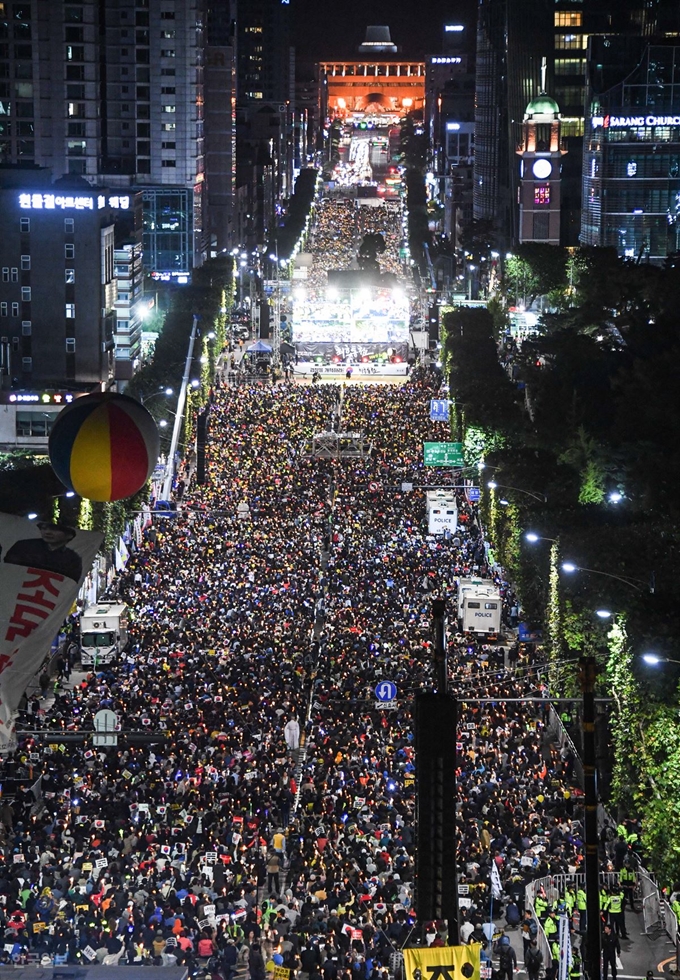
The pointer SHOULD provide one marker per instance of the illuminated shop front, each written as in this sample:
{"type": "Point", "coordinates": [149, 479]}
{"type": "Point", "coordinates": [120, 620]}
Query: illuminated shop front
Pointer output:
{"type": "Point", "coordinates": [631, 161]}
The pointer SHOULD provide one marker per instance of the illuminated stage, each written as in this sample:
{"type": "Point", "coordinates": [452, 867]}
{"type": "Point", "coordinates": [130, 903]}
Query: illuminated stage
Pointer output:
{"type": "Point", "coordinates": [350, 323]}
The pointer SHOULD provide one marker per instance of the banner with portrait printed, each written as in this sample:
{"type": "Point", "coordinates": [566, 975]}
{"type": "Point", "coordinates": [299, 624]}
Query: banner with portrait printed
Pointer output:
{"type": "Point", "coordinates": [443, 963]}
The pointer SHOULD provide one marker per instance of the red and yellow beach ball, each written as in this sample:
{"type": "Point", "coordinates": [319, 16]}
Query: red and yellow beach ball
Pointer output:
{"type": "Point", "coordinates": [104, 446]}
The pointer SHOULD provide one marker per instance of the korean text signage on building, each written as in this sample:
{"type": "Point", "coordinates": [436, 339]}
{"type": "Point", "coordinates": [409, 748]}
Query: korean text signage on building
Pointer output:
{"type": "Point", "coordinates": [443, 454]}
{"type": "Point", "coordinates": [35, 398]}
{"type": "Point", "coordinates": [623, 122]}
{"type": "Point", "coordinates": [79, 202]}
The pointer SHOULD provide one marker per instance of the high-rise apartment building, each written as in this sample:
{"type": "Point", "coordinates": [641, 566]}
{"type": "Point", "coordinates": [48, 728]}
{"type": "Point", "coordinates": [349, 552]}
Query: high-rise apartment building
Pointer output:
{"type": "Point", "coordinates": [115, 92]}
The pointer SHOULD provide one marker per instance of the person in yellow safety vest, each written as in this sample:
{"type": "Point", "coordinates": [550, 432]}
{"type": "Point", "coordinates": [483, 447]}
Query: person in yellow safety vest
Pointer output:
{"type": "Point", "coordinates": [604, 904]}
{"type": "Point", "coordinates": [540, 906]}
{"type": "Point", "coordinates": [629, 836]}
{"type": "Point", "coordinates": [582, 906]}
{"type": "Point", "coordinates": [628, 880]}
{"type": "Point", "coordinates": [550, 925]}
{"type": "Point", "coordinates": [616, 914]}
{"type": "Point", "coordinates": [555, 953]}
{"type": "Point", "coordinates": [575, 968]}
{"type": "Point", "coordinates": [570, 899]}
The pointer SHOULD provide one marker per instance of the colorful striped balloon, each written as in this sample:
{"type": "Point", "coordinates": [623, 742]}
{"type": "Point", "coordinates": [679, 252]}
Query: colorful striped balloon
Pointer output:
{"type": "Point", "coordinates": [104, 446]}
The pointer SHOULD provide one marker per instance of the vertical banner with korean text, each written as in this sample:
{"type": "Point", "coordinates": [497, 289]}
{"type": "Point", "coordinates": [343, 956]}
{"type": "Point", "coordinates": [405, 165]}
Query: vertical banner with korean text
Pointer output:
{"type": "Point", "coordinates": [42, 564]}
{"type": "Point", "coordinates": [443, 963]}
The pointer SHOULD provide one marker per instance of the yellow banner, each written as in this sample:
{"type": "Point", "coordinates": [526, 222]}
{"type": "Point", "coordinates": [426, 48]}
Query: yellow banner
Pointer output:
{"type": "Point", "coordinates": [443, 963]}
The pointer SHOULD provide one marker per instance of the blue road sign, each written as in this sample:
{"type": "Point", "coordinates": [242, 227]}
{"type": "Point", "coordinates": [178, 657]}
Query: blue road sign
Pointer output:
{"type": "Point", "coordinates": [473, 494]}
{"type": "Point", "coordinates": [386, 691]}
{"type": "Point", "coordinates": [439, 410]}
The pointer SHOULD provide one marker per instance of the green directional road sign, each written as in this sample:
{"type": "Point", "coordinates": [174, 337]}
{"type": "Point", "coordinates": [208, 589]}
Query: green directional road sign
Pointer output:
{"type": "Point", "coordinates": [443, 454]}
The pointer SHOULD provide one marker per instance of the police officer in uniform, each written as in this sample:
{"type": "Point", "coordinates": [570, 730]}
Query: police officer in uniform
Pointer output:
{"type": "Point", "coordinates": [616, 914]}
{"type": "Point", "coordinates": [628, 880]}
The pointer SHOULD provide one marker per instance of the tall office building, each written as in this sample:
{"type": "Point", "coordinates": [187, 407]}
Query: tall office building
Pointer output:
{"type": "Point", "coordinates": [450, 125]}
{"type": "Point", "coordinates": [510, 48]}
{"type": "Point", "coordinates": [264, 57]}
{"type": "Point", "coordinates": [631, 152]}
{"type": "Point", "coordinates": [265, 81]}
{"type": "Point", "coordinates": [220, 124]}
{"type": "Point", "coordinates": [115, 92]}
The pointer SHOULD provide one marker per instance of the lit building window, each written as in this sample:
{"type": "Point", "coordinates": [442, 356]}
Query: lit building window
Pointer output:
{"type": "Point", "coordinates": [542, 194]}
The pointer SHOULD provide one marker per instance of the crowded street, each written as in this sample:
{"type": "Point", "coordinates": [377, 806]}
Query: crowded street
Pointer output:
{"type": "Point", "coordinates": [269, 818]}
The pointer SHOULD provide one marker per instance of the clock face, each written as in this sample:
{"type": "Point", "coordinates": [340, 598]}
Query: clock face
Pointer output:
{"type": "Point", "coordinates": [542, 168]}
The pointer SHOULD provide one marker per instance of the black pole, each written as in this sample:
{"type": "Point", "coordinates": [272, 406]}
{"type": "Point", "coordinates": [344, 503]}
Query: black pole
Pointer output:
{"type": "Point", "coordinates": [591, 964]}
{"type": "Point", "coordinates": [436, 895]}
{"type": "Point", "coordinates": [439, 624]}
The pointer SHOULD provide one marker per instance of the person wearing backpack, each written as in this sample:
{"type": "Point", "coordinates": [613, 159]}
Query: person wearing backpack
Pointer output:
{"type": "Point", "coordinates": [533, 960]}
{"type": "Point", "coordinates": [507, 963]}
{"type": "Point", "coordinates": [529, 930]}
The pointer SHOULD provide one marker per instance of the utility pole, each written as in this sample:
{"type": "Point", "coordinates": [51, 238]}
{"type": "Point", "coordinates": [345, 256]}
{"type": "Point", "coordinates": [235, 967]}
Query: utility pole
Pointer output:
{"type": "Point", "coordinates": [440, 661]}
{"type": "Point", "coordinates": [435, 720]}
{"type": "Point", "coordinates": [587, 674]}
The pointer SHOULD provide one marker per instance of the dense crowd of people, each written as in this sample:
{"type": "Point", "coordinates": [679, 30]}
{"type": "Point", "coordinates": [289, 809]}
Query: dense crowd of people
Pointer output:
{"type": "Point", "coordinates": [339, 229]}
{"type": "Point", "coordinates": [268, 816]}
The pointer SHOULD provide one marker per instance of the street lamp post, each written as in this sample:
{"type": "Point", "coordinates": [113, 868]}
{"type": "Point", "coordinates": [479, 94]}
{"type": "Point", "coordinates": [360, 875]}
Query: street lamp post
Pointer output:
{"type": "Point", "coordinates": [587, 674]}
{"type": "Point", "coordinates": [541, 497]}
{"type": "Point", "coordinates": [637, 584]}
{"type": "Point", "coordinates": [164, 392]}
{"type": "Point", "coordinates": [653, 659]}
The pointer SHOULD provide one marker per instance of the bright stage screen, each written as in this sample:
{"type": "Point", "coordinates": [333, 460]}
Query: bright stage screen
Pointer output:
{"type": "Point", "coordinates": [357, 316]}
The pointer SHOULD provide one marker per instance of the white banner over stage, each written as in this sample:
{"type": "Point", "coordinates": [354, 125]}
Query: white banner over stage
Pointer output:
{"type": "Point", "coordinates": [41, 568]}
{"type": "Point", "coordinates": [384, 369]}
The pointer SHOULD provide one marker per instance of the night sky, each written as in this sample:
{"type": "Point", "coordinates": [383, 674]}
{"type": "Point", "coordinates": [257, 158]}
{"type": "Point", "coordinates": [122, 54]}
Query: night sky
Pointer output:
{"type": "Point", "coordinates": [334, 28]}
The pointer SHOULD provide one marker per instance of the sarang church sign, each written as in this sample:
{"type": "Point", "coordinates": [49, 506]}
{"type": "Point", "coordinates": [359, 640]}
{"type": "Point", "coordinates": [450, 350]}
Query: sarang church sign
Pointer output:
{"type": "Point", "coordinates": [623, 122]}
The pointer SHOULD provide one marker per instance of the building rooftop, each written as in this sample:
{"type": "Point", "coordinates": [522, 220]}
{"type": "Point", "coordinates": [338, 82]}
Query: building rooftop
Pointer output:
{"type": "Point", "coordinates": [378, 39]}
{"type": "Point", "coordinates": [542, 105]}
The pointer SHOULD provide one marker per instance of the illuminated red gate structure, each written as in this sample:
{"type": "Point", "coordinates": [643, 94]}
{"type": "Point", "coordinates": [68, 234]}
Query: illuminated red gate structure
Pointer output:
{"type": "Point", "coordinates": [374, 87]}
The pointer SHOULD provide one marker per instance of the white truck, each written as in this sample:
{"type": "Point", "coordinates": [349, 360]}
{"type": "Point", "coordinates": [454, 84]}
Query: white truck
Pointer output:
{"type": "Point", "coordinates": [481, 611]}
{"type": "Point", "coordinates": [442, 511]}
{"type": "Point", "coordinates": [103, 633]}
{"type": "Point", "coordinates": [465, 587]}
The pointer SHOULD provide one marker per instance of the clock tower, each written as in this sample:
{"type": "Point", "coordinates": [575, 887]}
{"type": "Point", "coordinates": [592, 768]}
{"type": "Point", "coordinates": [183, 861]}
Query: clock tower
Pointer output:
{"type": "Point", "coordinates": [540, 172]}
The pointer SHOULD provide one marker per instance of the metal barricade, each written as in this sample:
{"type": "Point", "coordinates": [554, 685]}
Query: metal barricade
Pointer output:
{"type": "Point", "coordinates": [651, 902]}
{"type": "Point", "coordinates": [562, 737]}
{"type": "Point", "coordinates": [671, 925]}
